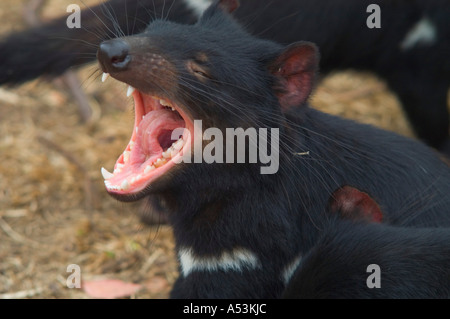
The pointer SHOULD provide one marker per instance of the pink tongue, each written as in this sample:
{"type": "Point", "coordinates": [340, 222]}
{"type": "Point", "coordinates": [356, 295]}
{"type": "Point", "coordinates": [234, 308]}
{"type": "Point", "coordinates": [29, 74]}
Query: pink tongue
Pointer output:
{"type": "Point", "coordinates": [154, 123]}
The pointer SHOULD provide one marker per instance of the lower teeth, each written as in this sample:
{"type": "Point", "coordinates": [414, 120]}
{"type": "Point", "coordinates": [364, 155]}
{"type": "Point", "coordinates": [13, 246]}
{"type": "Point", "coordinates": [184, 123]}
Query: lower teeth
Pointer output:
{"type": "Point", "coordinates": [148, 169]}
{"type": "Point", "coordinates": [159, 162]}
{"type": "Point", "coordinates": [125, 185]}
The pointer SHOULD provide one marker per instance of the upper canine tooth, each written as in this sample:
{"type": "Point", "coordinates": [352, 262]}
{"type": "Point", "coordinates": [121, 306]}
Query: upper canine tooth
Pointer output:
{"type": "Point", "coordinates": [105, 76]}
{"type": "Point", "coordinates": [164, 103]}
{"type": "Point", "coordinates": [130, 90]}
{"type": "Point", "coordinates": [106, 174]}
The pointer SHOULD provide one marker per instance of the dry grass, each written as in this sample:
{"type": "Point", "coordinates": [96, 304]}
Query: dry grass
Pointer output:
{"type": "Point", "coordinates": [54, 210]}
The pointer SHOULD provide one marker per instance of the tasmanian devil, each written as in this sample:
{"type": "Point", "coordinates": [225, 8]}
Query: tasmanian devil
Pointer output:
{"type": "Point", "coordinates": [408, 48]}
{"type": "Point", "coordinates": [241, 222]}
{"type": "Point", "coordinates": [357, 259]}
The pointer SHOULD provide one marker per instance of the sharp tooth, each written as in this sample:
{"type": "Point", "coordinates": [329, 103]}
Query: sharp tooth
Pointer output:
{"type": "Point", "coordinates": [173, 109]}
{"type": "Point", "coordinates": [160, 162]}
{"type": "Point", "coordinates": [105, 76]}
{"type": "Point", "coordinates": [126, 156]}
{"type": "Point", "coordinates": [125, 185]}
{"type": "Point", "coordinates": [118, 168]}
{"type": "Point", "coordinates": [148, 169]}
{"type": "Point", "coordinates": [169, 152]}
{"type": "Point", "coordinates": [110, 186]}
{"type": "Point", "coordinates": [178, 145]}
{"type": "Point", "coordinates": [106, 174]}
{"type": "Point", "coordinates": [164, 103]}
{"type": "Point", "coordinates": [130, 90]}
{"type": "Point", "coordinates": [174, 152]}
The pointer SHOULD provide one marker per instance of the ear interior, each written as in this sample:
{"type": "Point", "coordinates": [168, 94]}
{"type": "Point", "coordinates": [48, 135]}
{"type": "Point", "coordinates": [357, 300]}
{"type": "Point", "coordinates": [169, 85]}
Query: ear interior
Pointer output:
{"type": "Point", "coordinates": [228, 5]}
{"type": "Point", "coordinates": [355, 205]}
{"type": "Point", "coordinates": [295, 70]}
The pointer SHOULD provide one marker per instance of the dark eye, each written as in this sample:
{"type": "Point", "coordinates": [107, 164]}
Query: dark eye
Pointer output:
{"type": "Point", "coordinates": [201, 73]}
{"type": "Point", "coordinates": [198, 70]}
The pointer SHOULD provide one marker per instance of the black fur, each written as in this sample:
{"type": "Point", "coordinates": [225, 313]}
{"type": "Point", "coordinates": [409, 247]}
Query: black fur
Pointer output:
{"type": "Point", "coordinates": [215, 208]}
{"type": "Point", "coordinates": [53, 48]}
{"type": "Point", "coordinates": [414, 263]}
{"type": "Point", "coordinates": [419, 76]}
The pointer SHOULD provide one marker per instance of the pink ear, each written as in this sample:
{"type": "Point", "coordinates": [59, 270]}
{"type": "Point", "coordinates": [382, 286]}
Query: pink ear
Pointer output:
{"type": "Point", "coordinates": [229, 5]}
{"type": "Point", "coordinates": [295, 70]}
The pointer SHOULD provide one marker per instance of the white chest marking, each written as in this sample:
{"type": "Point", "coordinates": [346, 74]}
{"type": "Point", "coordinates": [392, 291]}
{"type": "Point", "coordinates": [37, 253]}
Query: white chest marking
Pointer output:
{"type": "Point", "coordinates": [422, 33]}
{"type": "Point", "coordinates": [290, 269]}
{"type": "Point", "coordinates": [235, 260]}
{"type": "Point", "coordinates": [199, 6]}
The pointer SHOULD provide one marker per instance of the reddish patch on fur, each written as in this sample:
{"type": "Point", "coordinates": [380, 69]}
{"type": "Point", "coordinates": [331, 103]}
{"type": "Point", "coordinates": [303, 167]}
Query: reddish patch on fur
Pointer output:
{"type": "Point", "coordinates": [353, 204]}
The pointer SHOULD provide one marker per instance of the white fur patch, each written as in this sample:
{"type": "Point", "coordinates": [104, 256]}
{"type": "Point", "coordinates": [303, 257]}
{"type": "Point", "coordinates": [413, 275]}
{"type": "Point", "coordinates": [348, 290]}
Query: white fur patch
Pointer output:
{"type": "Point", "coordinates": [199, 6]}
{"type": "Point", "coordinates": [422, 33]}
{"type": "Point", "coordinates": [290, 269]}
{"type": "Point", "coordinates": [235, 260]}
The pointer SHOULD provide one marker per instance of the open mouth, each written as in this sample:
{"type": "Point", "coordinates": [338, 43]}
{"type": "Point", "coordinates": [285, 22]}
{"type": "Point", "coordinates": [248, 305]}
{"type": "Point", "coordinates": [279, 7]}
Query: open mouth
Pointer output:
{"type": "Point", "coordinates": [154, 146]}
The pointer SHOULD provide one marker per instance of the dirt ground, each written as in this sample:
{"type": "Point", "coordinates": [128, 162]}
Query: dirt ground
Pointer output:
{"type": "Point", "coordinates": [54, 210]}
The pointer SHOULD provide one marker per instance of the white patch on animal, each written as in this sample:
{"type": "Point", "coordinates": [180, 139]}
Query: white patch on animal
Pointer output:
{"type": "Point", "coordinates": [199, 6]}
{"type": "Point", "coordinates": [236, 260]}
{"type": "Point", "coordinates": [422, 33]}
{"type": "Point", "coordinates": [290, 269]}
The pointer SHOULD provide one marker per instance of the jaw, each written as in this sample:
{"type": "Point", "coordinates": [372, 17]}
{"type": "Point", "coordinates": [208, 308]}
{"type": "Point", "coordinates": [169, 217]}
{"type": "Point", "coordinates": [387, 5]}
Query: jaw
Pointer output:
{"type": "Point", "coordinates": [160, 137]}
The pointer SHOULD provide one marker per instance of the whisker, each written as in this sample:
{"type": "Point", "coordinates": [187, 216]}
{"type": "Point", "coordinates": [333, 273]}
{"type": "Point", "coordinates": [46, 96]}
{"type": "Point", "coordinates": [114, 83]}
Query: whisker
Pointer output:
{"type": "Point", "coordinates": [96, 15]}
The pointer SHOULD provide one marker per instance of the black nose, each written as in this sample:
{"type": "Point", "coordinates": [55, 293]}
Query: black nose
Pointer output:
{"type": "Point", "coordinates": [113, 55]}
